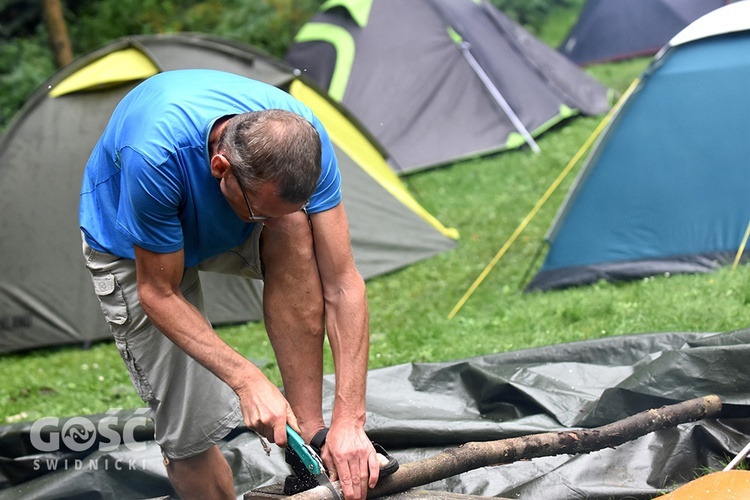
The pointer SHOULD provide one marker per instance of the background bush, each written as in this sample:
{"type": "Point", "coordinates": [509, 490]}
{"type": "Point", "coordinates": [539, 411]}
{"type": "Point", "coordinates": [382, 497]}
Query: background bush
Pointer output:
{"type": "Point", "coordinates": [26, 59]}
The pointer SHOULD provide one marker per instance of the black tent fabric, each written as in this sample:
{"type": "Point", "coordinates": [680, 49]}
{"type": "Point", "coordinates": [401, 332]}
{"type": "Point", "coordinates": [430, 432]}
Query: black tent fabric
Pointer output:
{"type": "Point", "coordinates": [437, 81]}
{"type": "Point", "coordinates": [420, 409]}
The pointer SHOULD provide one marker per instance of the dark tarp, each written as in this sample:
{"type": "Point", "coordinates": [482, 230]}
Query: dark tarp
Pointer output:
{"type": "Point", "coordinates": [417, 410]}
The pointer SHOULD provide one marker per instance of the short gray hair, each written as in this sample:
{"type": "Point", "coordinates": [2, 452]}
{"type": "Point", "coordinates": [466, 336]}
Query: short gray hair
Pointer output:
{"type": "Point", "coordinates": [277, 146]}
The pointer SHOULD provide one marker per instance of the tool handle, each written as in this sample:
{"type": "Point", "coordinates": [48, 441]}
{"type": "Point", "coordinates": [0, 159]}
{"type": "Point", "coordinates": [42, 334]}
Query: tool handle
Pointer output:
{"type": "Point", "coordinates": [297, 444]}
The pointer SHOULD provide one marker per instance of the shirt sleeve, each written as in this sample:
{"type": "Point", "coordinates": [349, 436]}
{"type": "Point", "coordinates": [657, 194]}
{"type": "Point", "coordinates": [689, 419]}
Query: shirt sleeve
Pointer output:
{"type": "Point", "coordinates": [328, 192]}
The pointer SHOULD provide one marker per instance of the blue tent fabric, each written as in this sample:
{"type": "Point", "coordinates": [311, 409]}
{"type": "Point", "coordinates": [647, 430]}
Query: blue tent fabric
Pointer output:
{"type": "Point", "coordinates": [665, 189]}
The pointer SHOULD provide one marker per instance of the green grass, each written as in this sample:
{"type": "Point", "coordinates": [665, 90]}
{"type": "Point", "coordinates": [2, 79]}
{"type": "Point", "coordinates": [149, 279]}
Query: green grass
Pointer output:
{"type": "Point", "coordinates": [485, 199]}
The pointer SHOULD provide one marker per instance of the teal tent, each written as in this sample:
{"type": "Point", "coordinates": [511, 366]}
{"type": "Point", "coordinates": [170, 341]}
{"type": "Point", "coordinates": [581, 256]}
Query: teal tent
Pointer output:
{"type": "Point", "coordinates": [665, 189]}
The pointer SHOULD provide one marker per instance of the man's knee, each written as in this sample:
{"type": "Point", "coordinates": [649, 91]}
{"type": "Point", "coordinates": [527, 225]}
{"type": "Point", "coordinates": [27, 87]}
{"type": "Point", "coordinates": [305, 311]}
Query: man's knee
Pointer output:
{"type": "Point", "coordinates": [288, 239]}
{"type": "Point", "coordinates": [293, 293]}
{"type": "Point", "coordinates": [206, 475]}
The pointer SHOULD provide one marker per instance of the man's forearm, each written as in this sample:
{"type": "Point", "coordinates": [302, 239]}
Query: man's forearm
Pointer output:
{"type": "Point", "coordinates": [264, 408]}
{"type": "Point", "coordinates": [189, 330]}
{"type": "Point", "coordinates": [347, 323]}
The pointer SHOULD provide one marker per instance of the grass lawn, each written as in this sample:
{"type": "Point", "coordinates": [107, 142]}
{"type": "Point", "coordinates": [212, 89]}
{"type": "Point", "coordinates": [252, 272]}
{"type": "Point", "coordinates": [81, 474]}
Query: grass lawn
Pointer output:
{"type": "Point", "coordinates": [485, 199]}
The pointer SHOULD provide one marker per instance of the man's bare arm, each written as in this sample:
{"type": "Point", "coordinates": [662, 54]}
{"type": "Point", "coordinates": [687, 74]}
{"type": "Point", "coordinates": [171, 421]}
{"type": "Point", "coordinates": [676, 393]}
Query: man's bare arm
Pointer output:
{"type": "Point", "coordinates": [347, 325]}
{"type": "Point", "coordinates": [159, 275]}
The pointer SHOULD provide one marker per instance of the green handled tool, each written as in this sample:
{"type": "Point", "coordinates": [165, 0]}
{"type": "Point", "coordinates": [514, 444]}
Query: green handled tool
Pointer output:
{"type": "Point", "coordinates": [307, 466]}
{"type": "Point", "coordinates": [312, 462]}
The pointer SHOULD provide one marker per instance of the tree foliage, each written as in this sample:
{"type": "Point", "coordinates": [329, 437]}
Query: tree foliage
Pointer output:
{"type": "Point", "coordinates": [531, 13]}
{"type": "Point", "coordinates": [24, 65]}
{"type": "Point", "coordinates": [26, 59]}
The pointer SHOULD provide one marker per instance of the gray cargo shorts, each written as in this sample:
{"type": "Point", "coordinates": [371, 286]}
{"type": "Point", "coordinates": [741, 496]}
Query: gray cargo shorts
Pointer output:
{"type": "Point", "coordinates": [192, 409]}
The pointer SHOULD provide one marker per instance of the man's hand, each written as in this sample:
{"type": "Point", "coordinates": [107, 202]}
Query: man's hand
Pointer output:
{"type": "Point", "coordinates": [351, 459]}
{"type": "Point", "coordinates": [266, 411]}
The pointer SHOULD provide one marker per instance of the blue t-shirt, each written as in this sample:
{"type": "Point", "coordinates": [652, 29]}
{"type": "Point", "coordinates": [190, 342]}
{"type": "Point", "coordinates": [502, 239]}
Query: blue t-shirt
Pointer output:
{"type": "Point", "coordinates": [148, 181]}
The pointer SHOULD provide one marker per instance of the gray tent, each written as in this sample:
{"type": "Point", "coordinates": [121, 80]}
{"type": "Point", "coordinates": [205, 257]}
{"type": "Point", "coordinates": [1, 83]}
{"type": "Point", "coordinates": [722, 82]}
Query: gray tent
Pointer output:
{"type": "Point", "coordinates": [436, 81]}
{"type": "Point", "coordinates": [45, 293]}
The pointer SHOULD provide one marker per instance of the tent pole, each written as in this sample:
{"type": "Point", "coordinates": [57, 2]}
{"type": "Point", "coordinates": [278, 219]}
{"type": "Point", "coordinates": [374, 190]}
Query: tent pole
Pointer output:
{"type": "Point", "coordinates": [526, 220]}
{"type": "Point", "coordinates": [740, 456]}
{"type": "Point", "coordinates": [466, 51]}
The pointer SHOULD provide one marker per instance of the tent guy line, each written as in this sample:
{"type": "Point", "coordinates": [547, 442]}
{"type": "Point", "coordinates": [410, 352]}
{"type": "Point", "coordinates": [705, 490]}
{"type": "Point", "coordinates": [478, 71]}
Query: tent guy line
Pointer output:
{"type": "Point", "coordinates": [741, 249]}
{"type": "Point", "coordinates": [550, 190]}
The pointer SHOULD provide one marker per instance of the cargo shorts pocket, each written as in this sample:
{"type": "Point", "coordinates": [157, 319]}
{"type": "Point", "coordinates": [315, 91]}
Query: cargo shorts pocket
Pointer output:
{"type": "Point", "coordinates": [111, 298]}
{"type": "Point", "coordinates": [137, 375]}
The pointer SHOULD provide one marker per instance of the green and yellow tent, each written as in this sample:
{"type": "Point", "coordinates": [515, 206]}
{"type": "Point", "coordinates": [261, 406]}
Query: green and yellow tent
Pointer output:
{"type": "Point", "coordinates": [45, 293]}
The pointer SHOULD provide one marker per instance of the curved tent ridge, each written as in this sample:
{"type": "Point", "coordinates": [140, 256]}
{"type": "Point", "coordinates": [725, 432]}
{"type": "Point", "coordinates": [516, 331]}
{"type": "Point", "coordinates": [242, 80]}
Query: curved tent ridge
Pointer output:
{"type": "Point", "coordinates": [126, 65]}
{"type": "Point", "coordinates": [731, 18]}
{"type": "Point", "coordinates": [343, 43]}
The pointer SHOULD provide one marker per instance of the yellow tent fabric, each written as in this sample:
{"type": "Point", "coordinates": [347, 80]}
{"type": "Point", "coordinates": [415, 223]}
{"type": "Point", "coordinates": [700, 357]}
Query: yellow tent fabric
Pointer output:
{"type": "Point", "coordinates": [360, 149]}
{"type": "Point", "coordinates": [118, 67]}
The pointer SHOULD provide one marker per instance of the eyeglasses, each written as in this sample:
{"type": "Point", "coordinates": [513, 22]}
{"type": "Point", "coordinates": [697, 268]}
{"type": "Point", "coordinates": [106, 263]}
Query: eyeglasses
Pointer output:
{"type": "Point", "coordinates": [253, 217]}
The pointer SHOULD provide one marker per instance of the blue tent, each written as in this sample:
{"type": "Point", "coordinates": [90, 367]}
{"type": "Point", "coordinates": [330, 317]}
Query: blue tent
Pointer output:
{"type": "Point", "coordinates": [667, 187]}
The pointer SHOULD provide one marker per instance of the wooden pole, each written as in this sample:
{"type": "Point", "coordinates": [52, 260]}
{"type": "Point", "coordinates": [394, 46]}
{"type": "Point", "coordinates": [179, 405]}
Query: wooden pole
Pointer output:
{"type": "Point", "coordinates": [474, 455]}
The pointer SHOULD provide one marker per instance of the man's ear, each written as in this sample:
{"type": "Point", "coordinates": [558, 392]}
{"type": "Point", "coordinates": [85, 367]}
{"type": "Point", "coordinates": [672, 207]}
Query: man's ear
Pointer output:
{"type": "Point", "coordinates": [219, 166]}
